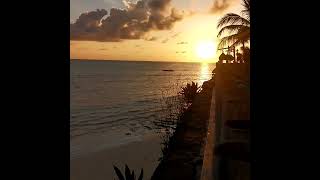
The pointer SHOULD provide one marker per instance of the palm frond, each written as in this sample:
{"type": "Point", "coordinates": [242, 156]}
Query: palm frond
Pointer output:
{"type": "Point", "coordinates": [227, 40]}
{"type": "Point", "coordinates": [246, 5]}
{"type": "Point", "coordinates": [232, 19]}
{"type": "Point", "coordinates": [236, 25]}
{"type": "Point", "coordinates": [230, 29]}
{"type": "Point", "coordinates": [141, 175]}
{"type": "Point", "coordinates": [133, 176]}
{"type": "Point", "coordinates": [118, 172]}
{"type": "Point", "coordinates": [238, 42]}
{"type": "Point", "coordinates": [235, 39]}
{"type": "Point", "coordinates": [244, 34]}
{"type": "Point", "coordinates": [127, 172]}
{"type": "Point", "coordinates": [246, 11]}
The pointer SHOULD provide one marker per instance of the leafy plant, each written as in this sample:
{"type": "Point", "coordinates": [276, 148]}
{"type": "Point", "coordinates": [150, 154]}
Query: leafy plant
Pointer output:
{"type": "Point", "coordinates": [190, 91]}
{"type": "Point", "coordinates": [236, 25]}
{"type": "Point", "coordinates": [128, 175]}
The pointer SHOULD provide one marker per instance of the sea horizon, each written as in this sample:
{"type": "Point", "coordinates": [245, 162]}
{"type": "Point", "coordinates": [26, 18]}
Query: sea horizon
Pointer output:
{"type": "Point", "coordinates": [156, 61]}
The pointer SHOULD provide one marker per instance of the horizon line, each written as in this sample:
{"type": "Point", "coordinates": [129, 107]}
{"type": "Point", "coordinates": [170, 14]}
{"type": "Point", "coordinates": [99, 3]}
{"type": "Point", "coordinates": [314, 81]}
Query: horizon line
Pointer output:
{"type": "Point", "coordinates": [165, 61]}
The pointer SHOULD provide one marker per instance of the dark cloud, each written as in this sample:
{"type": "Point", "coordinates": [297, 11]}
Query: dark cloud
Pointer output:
{"type": "Point", "coordinates": [182, 42]}
{"type": "Point", "coordinates": [165, 40]}
{"type": "Point", "coordinates": [219, 6]}
{"type": "Point", "coordinates": [133, 22]}
{"type": "Point", "coordinates": [86, 25]}
{"type": "Point", "coordinates": [159, 5]}
{"type": "Point", "coordinates": [151, 39]}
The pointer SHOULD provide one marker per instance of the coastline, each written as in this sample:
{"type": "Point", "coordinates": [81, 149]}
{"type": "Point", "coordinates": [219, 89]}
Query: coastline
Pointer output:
{"type": "Point", "coordinates": [186, 147]}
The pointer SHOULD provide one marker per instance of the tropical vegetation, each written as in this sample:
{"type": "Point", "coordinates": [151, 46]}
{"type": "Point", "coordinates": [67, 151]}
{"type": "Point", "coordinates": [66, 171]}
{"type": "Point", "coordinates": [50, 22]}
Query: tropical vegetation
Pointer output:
{"type": "Point", "coordinates": [128, 175]}
{"type": "Point", "coordinates": [237, 27]}
{"type": "Point", "coordinates": [190, 91]}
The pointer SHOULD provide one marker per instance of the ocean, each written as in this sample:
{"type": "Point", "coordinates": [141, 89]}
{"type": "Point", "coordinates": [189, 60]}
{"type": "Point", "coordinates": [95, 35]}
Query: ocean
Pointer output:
{"type": "Point", "coordinates": [117, 102]}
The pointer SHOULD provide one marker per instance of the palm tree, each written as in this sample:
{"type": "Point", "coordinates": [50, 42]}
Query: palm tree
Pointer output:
{"type": "Point", "coordinates": [237, 26]}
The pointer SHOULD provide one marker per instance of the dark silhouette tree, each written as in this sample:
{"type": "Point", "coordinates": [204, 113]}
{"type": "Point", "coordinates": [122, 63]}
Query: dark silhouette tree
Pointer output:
{"type": "Point", "coordinates": [190, 91]}
{"type": "Point", "coordinates": [236, 25]}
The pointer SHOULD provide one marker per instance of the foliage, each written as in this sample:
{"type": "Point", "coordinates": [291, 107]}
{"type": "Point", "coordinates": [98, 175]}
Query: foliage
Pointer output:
{"type": "Point", "coordinates": [128, 175]}
{"type": "Point", "coordinates": [169, 108]}
{"type": "Point", "coordinates": [236, 25]}
{"type": "Point", "coordinates": [190, 91]}
{"type": "Point", "coordinates": [246, 52]}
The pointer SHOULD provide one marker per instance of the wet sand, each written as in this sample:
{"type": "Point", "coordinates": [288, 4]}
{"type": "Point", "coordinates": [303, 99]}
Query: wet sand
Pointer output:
{"type": "Point", "coordinates": [99, 165]}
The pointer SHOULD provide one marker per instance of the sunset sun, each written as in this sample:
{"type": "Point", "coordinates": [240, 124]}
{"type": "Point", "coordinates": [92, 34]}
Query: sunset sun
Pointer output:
{"type": "Point", "coordinates": [205, 49]}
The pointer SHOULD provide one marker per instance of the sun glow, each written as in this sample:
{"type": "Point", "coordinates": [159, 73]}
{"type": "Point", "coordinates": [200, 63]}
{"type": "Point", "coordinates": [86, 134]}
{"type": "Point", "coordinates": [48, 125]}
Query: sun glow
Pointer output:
{"type": "Point", "coordinates": [206, 49]}
{"type": "Point", "coordinates": [204, 73]}
{"type": "Point", "coordinates": [181, 44]}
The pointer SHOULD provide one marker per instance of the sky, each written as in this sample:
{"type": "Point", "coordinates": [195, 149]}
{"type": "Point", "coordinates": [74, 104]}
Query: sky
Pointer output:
{"type": "Point", "coordinates": [150, 30]}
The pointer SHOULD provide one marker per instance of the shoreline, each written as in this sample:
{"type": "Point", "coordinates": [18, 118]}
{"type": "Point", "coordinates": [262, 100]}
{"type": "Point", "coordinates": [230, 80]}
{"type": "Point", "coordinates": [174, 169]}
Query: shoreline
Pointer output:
{"type": "Point", "coordinates": [186, 147]}
{"type": "Point", "coordinates": [99, 165]}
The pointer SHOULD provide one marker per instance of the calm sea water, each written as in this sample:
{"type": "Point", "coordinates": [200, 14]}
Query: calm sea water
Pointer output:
{"type": "Point", "coordinates": [114, 102]}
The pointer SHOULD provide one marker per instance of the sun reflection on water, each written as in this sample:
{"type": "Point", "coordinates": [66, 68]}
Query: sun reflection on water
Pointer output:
{"type": "Point", "coordinates": [204, 73]}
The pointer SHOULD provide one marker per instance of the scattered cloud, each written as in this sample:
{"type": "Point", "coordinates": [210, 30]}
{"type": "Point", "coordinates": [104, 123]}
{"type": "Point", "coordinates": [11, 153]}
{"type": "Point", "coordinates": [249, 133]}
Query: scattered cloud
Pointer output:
{"type": "Point", "coordinates": [219, 6]}
{"type": "Point", "coordinates": [165, 40]}
{"type": "Point", "coordinates": [133, 22]}
{"type": "Point", "coordinates": [176, 35]}
{"type": "Point", "coordinates": [182, 42]}
{"type": "Point", "coordinates": [151, 38]}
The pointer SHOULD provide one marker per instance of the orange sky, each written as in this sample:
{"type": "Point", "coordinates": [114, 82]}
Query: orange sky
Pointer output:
{"type": "Point", "coordinates": [178, 44]}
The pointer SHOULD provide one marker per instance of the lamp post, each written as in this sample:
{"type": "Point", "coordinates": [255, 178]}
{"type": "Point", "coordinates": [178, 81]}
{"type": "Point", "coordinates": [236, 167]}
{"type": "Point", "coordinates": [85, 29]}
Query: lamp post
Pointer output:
{"type": "Point", "coordinates": [237, 55]}
{"type": "Point", "coordinates": [234, 53]}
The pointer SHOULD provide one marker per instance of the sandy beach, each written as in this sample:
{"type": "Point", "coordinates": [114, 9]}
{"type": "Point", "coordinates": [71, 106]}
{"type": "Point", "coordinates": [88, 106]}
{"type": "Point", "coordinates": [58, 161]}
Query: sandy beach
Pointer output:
{"type": "Point", "coordinates": [98, 165]}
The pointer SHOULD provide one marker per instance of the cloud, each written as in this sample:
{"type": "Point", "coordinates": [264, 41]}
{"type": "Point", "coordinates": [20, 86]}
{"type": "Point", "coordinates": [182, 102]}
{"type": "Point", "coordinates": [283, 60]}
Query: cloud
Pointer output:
{"type": "Point", "coordinates": [182, 42]}
{"type": "Point", "coordinates": [86, 25]}
{"type": "Point", "coordinates": [159, 5]}
{"type": "Point", "coordinates": [133, 22]}
{"type": "Point", "coordinates": [176, 34]}
{"type": "Point", "coordinates": [151, 38]}
{"type": "Point", "coordinates": [165, 40]}
{"type": "Point", "coordinates": [219, 6]}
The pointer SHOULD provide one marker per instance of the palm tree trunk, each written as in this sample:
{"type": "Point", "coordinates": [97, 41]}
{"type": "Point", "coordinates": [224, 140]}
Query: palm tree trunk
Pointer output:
{"type": "Point", "coordinates": [243, 51]}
